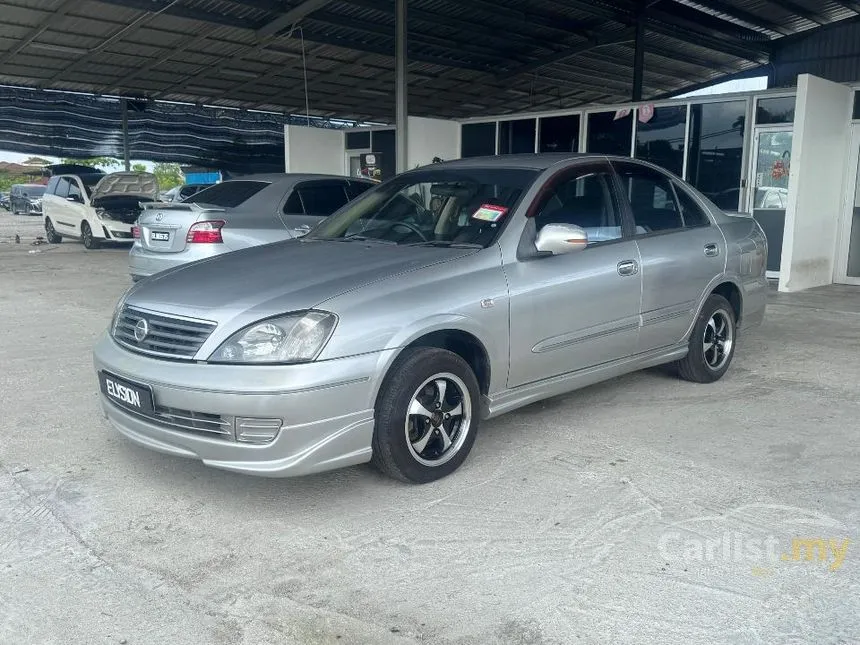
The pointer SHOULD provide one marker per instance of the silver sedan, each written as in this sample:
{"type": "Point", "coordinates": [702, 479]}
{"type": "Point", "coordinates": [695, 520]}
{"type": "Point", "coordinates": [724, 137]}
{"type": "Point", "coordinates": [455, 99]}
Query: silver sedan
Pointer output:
{"type": "Point", "coordinates": [235, 214]}
{"type": "Point", "coordinates": [443, 297]}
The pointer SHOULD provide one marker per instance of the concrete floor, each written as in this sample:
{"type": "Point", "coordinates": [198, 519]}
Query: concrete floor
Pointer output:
{"type": "Point", "coordinates": [642, 510]}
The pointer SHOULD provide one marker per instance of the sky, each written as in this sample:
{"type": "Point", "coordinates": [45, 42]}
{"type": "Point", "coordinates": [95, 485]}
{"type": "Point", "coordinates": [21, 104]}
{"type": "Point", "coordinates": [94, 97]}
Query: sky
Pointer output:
{"type": "Point", "coordinates": [15, 157]}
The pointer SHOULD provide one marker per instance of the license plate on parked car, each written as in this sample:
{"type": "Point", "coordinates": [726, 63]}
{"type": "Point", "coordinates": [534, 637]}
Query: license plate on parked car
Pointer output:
{"type": "Point", "coordinates": [126, 394]}
{"type": "Point", "coordinates": [159, 236]}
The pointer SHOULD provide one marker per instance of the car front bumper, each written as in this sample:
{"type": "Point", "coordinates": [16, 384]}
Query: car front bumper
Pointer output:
{"type": "Point", "coordinates": [143, 263]}
{"type": "Point", "coordinates": [326, 408]}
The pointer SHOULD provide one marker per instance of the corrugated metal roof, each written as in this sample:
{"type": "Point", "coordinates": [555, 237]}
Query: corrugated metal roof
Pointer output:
{"type": "Point", "coordinates": [508, 55]}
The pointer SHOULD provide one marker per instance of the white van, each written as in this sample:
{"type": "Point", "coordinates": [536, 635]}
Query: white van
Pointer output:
{"type": "Point", "coordinates": [94, 207]}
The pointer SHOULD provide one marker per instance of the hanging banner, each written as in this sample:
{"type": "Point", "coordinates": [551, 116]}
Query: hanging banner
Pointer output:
{"type": "Point", "coordinates": [622, 113]}
{"type": "Point", "coordinates": [646, 112]}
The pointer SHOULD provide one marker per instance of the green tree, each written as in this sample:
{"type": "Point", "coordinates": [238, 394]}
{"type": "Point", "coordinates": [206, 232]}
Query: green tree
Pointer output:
{"type": "Point", "coordinates": [103, 163]}
{"type": "Point", "coordinates": [169, 175]}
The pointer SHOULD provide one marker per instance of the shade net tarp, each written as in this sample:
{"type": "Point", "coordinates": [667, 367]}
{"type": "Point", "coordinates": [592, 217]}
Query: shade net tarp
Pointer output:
{"type": "Point", "coordinates": [62, 124]}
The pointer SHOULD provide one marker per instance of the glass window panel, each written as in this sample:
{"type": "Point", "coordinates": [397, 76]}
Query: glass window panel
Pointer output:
{"type": "Point", "coordinates": [661, 139]}
{"type": "Point", "coordinates": [609, 135]}
{"type": "Point", "coordinates": [357, 140]}
{"type": "Point", "coordinates": [856, 113]}
{"type": "Point", "coordinates": [559, 134]}
{"type": "Point", "coordinates": [516, 137]}
{"type": "Point", "coordinates": [773, 163]}
{"type": "Point", "coordinates": [776, 110]}
{"type": "Point", "coordinates": [478, 139]}
{"type": "Point", "coordinates": [383, 142]}
{"type": "Point", "coordinates": [716, 149]}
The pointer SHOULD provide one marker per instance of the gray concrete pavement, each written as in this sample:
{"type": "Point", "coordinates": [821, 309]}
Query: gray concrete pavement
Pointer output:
{"type": "Point", "coordinates": [643, 510]}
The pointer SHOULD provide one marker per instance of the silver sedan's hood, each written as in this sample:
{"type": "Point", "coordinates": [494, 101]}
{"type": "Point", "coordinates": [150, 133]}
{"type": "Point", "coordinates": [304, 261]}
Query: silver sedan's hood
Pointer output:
{"type": "Point", "coordinates": [278, 278]}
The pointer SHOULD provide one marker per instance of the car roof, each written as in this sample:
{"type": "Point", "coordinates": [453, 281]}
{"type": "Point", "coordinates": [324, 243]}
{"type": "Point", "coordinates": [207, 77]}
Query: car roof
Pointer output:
{"type": "Point", "coordinates": [533, 161]}
{"type": "Point", "coordinates": [275, 177]}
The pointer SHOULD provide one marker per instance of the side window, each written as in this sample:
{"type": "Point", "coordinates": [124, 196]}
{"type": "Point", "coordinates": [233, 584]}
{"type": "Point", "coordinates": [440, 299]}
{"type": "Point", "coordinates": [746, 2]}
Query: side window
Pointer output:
{"type": "Point", "coordinates": [294, 204]}
{"type": "Point", "coordinates": [356, 188]}
{"type": "Point", "coordinates": [62, 189]}
{"type": "Point", "coordinates": [692, 213]}
{"type": "Point", "coordinates": [322, 199]}
{"type": "Point", "coordinates": [585, 201]}
{"type": "Point", "coordinates": [651, 200]}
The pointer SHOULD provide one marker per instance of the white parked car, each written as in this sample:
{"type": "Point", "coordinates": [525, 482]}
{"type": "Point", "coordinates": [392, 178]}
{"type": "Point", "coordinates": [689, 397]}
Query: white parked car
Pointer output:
{"type": "Point", "coordinates": [94, 207]}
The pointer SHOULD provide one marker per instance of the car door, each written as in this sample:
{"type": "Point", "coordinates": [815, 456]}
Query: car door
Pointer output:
{"type": "Point", "coordinates": [61, 213]}
{"type": "Point", "coordinates": [679, 260]}
{"type": "Point", "coordinates": [311, 202]}
{"type": "Point", "coordinates": [580, 309]}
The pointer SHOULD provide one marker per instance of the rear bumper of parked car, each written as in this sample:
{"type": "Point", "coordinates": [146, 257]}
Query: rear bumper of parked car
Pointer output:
{"type": "Point", "coordinates": [326, 409]}
{"type": "Point", "coordinates": [143, 263]}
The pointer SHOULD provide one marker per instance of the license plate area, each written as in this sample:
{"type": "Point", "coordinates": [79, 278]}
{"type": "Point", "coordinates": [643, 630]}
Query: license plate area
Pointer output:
{"type": "Point", "coordinates": [159, 236]}
{"type": "Point", "coordinates": [124, 393]}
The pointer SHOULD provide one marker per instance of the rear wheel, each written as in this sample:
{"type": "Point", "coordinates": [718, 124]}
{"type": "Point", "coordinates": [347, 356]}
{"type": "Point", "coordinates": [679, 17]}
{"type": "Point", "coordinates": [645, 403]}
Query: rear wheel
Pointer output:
{"type": "Point", "coordinates": [712, 342]}
{"type": "Point", "coordinates": [87, 238]}
{"type": "Point", "coordinates": [427, 416]}
{"type": "Point", "coordinates": [51, 234]}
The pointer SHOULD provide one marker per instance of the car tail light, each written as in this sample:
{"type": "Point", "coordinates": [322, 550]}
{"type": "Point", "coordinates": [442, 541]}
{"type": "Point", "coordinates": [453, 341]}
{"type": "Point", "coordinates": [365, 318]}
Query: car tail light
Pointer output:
{"type": "Point", "coordinates": [205, 232]}
{"type": "Point", "coordinates": [135, 232]}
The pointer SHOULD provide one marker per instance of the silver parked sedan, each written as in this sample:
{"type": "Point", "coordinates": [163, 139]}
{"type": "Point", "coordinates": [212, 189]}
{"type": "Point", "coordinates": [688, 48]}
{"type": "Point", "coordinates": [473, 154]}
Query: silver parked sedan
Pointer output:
{"type": "Point", "coordinates": [443, 297]}
{"type": "Point", "coordinates": [235, 214]}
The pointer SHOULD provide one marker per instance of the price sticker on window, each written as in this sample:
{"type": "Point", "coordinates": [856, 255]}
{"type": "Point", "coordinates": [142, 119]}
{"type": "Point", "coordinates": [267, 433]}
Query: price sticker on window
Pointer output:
{"type": "Point", "coordinates": [490, 213]}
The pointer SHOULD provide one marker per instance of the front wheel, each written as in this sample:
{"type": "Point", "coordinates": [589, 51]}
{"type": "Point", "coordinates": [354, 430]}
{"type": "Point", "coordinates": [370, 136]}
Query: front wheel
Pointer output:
{"type": "Point", "coordinates": [87, 238]}
{"type": "Point", "coordinates": [427, 416]}
{"type": "Point", "coordinates": [50, 232]}
{"type": "Point", "coordinates": [712, 342]}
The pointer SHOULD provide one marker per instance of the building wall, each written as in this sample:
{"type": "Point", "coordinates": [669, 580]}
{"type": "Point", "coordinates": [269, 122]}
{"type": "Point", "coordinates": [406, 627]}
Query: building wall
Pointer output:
{"type": "Point", "coordinates": [429, 138]}
{"type": "Point", "coordinates": [816, 186]}
{"type": "Point", "coordinates": [315, 150]}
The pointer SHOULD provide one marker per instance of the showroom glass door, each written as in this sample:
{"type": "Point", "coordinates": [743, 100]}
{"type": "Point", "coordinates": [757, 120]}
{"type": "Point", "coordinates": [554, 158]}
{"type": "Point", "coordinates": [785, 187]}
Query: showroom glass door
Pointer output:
{"type": "Point", "coordinates": [768, 194]}
{"type": "Point", "coordinates": [848, 249]}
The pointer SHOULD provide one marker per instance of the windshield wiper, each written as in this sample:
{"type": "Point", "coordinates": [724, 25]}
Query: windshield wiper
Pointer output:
{"type": "Point", "coordinates": [447, 244]}
{"type": "Point", "coordinates": [362, 238]}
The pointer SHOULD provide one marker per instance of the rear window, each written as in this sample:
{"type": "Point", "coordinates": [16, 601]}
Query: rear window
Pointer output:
{"type": "Point", "coordinates": [230, 194]}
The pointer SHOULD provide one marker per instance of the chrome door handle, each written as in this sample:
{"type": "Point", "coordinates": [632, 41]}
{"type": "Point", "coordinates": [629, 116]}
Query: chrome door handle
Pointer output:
{"type": "Point", "coordinates": [712, 250]}
{"type": "Point", "coordinates": [628, 267]}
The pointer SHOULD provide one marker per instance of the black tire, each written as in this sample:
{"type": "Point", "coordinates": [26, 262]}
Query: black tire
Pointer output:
{"type": "Point", "coordinates": [702, 365]}
{"type": "Point", "coordinates": [413, 375]}
{"type": "Point", "coordinates": [87, 238]}
{"type": "Point", "coordinates": [50, 233]}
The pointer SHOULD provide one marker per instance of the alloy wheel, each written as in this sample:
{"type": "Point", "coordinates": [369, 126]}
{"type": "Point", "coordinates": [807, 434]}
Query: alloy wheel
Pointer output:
{"type": "Point", "coordinates": [718, 340]}
{"type": "Point", "coordinates": [438, 419]}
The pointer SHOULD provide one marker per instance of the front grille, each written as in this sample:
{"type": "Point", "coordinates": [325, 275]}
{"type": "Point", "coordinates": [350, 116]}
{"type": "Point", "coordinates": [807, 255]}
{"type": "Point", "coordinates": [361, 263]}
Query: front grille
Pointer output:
{"type": "Point", "coordinates": [187, 421]}
{"type": "Point", "coordinates": [191, 421]}
{"type": "Point", "coordinates": [166, 336]}
{"type": "Point", "coordinates": [121, 235]}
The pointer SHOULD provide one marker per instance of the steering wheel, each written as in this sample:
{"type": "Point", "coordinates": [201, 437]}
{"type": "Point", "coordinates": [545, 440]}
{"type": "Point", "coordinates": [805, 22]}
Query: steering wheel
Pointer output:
{"type": "Point", "coordinates": [412, 228]}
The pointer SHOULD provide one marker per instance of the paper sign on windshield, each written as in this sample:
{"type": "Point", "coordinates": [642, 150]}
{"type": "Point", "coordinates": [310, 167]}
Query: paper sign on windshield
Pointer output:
{"type": "Point", "coordinates": [490, 213]}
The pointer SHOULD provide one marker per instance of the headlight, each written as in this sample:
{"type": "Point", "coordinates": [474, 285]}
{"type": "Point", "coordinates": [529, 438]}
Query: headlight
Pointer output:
{"type": "Point", "coordinates": [294, 338]}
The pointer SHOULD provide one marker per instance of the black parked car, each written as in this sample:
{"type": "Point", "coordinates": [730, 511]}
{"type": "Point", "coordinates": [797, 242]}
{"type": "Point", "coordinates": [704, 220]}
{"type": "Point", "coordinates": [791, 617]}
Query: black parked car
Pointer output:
{"type": "Point", "coordinates": [26, 199]}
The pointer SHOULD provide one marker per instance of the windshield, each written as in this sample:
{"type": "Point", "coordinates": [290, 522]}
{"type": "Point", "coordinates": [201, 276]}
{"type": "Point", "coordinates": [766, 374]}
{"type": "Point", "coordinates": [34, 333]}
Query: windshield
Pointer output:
{"type": "Point", "coordinates": [89, 182]}
{"type": "Point", "coordinates": [34, 191]}
{"type": "Point", "coordinates": [463, 206]}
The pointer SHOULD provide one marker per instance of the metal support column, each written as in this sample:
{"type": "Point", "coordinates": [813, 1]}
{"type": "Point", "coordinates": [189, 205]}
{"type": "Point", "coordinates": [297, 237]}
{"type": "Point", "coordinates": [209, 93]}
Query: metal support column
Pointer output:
{"type": "Point", "coordinates": [126, 154]}
{"type": "Point", "coordinates": [639, 52]}
{"type": "Point", "coordinates": [400, 84]}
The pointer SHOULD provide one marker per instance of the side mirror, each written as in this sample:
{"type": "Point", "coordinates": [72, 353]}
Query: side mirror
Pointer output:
{"type": "Point", "coordinates": [561, 238]}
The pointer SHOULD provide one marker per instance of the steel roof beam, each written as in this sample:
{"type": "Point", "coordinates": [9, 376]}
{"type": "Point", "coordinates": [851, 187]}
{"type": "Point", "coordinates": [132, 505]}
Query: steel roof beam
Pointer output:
{"type": "Point", "coordinates": [798, 10]}
{"type": "Point", "coordinates": [291, 18]}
